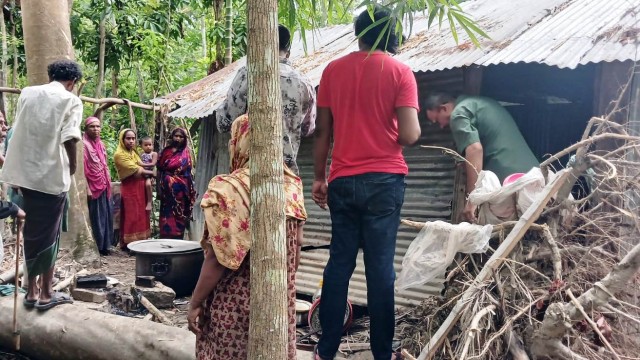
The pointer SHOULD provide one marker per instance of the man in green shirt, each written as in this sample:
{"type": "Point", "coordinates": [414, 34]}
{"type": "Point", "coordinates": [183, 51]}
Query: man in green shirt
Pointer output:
{"type": "Point", "coordinates": [485, 133]}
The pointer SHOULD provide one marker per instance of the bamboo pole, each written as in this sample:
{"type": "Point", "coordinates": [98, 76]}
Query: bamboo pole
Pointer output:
{"type": "Point", "coordinates": [102, 101]}
{"type": "Point", "coordinates": [16, 332]}
{"type": "Point", "coordinates": [521, 227]}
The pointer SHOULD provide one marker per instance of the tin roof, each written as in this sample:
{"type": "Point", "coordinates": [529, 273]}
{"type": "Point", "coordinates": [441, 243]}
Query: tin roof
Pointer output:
{"type": "Point", "coordinates": [562, 33]}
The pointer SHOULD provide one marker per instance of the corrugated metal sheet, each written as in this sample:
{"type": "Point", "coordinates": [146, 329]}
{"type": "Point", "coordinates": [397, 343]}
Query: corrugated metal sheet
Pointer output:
{"type": "Point", "coordinates": [562, 33]}
{"type": "Point", "coordinates": [213, 158]}
{"type": "Point", "coordinates": [428, 196]}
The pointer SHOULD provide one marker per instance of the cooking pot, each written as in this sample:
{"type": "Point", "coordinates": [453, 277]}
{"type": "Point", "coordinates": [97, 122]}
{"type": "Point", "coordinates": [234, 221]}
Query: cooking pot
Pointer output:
{"type": "Point", "coordinates": [175, 263]}
{"type": "Point", "coordinates": [302, 312]}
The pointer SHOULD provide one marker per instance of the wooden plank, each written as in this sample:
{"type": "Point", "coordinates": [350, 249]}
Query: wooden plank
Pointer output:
{"type": "Point", "coordinates": [521, 227]}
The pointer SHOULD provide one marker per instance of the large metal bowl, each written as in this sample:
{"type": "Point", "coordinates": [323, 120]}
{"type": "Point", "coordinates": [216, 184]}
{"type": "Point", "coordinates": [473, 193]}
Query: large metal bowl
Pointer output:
{"type": "Point", "coordinates": [175, 263]}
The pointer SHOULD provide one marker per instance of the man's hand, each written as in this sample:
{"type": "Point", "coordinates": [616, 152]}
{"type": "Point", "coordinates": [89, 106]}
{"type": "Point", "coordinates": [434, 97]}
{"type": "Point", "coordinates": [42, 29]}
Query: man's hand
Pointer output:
{"type": "Point", "coordinates": [469, 213]}
{"type": "Point", "coordinates": [21, 214]}
{"type": "Point", "coordinates": [319, 193]}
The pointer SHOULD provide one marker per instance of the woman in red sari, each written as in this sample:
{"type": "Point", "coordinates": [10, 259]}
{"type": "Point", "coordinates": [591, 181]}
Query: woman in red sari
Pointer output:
{"type": "Point", "coordinates": [134, 218]}
{"type": "Point", "coordinates": [176, 190]}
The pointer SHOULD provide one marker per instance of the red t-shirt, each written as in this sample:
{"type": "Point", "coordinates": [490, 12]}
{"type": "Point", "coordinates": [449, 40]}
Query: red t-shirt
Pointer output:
{"type": "Point", "coordinates": [363, 90]}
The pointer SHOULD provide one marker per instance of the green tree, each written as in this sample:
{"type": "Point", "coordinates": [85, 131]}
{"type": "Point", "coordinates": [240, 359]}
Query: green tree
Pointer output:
{"type": "Point", "coordinates": [268, 325]}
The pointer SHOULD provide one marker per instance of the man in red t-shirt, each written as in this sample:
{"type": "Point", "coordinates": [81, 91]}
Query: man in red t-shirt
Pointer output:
{"type": "Point", "coordinates": [368, 102]}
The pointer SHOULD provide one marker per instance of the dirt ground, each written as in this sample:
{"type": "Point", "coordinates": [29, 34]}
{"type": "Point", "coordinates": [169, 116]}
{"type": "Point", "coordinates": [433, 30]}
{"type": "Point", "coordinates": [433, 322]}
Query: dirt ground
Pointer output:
{"type": "Point", "coordinates": [121, 266]}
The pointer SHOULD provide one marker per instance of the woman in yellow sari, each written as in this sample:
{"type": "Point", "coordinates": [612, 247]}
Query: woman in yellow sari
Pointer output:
{"type": "Point", "coordinates": [219, 310]}
{"type": "Point", "coordinates": [134, 219]}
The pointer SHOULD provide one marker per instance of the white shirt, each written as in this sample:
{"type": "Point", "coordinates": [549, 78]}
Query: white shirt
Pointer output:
{"type": "Point", "coordinates": [47, 116]}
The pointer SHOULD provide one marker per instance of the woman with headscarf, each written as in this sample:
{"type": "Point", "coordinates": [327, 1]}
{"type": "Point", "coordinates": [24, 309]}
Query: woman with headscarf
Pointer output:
{"type": "Point", "coordinates": [219, 309]}
{"type": "Point", "coordinates": [176, 191]}
{"type": "Point", "coordinates": [96, 170]}
{"type": "Point", "coordinates": [134, 219]}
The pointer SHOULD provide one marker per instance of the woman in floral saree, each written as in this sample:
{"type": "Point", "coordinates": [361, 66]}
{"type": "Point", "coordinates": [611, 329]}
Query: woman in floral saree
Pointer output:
{"type": "Point", "coordinates": [176, 190]}
{"type": "Point", "coordinates": [219, 309]}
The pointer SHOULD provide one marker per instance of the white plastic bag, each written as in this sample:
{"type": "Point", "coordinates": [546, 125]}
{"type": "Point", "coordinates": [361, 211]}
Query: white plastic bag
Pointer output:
{"type": "Point", "coordinates": [497, 203]}
{"type": "Point", "coordinates": [434, 248]}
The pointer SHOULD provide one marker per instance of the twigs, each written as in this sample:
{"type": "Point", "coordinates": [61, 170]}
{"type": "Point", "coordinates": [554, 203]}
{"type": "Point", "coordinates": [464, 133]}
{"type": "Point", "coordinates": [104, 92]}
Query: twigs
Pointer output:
{"type": "Point", "coordinates": [473, 328]}
{"type": "Point", "coordinates": [555, 253]}
{"type": "Point", "coordinates": [581, 242]}
{"type": "Point", "coordinates": [593, 325]}
{"type": "Point", "coordinates": [494, 262]}
{"type": "Point", "coordinates": [149, 306]}
{"type": "Point", "coordinates": [453, 154]}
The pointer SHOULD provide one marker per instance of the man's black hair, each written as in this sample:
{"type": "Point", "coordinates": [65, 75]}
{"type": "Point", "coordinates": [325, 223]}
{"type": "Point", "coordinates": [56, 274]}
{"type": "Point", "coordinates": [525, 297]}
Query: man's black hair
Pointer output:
{"type": "Point", "coordinates": [389, 40]}
{"type": "Point", "coordinates": [284, 36]}
{"type": "Point", "coordinates": [64, 70]}
{"type": "Point", "coordinates": [435, 99]}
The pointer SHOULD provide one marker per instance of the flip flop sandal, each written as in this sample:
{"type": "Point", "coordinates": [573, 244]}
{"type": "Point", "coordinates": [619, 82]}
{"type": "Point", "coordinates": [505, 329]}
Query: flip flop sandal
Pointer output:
{"type": "Point", "coordinates": [29, 304]}
{"type": "Point", "coordinates": [57, 298]}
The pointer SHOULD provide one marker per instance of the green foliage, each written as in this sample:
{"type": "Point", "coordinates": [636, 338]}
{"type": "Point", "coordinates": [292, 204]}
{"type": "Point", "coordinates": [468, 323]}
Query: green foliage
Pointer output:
{"type": "Point", "coordinates": [403, 11]}
{"type": "Point", "coordinates": [153, 47]}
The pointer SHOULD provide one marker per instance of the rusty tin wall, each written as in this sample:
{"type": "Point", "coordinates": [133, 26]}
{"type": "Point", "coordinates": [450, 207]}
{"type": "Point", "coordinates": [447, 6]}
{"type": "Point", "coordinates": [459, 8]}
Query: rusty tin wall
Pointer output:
{"type": "Point", "coordinates": [428, 196]}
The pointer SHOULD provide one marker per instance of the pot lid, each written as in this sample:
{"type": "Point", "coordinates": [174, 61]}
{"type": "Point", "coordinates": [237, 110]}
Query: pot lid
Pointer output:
{"type": "Point", "coordinates": [163, 246]}
{"type": "Point", "coordinates": [302, 306]}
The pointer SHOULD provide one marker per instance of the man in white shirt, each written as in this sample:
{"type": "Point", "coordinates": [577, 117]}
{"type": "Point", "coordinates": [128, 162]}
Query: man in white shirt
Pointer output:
{"type": "Point", "coordinates": [40, 162]}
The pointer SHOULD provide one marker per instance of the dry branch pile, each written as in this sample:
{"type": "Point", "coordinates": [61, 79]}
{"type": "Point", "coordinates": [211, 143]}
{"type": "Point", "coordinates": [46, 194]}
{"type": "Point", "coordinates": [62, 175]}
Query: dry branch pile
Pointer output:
{"type": "Point", "coordinates": [568, 290]}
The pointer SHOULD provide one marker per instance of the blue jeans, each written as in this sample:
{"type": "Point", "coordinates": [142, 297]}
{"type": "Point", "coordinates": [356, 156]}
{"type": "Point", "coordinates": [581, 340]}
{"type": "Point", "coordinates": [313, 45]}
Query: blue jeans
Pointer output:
{"type": "Point", "coordinates": [365, 212]}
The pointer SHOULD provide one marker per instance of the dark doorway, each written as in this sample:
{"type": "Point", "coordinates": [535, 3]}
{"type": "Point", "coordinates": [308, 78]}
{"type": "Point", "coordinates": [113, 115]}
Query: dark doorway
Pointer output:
{"type": "Point", "coordinates": [550, 105]}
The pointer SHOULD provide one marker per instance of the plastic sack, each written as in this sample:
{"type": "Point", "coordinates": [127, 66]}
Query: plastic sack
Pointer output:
{"type": "Point", "coordinates": [1, 249]}
{"type": "Point", "coordinates": [497, 203]}
{"type": "Point", "coordinates": [434, 248]}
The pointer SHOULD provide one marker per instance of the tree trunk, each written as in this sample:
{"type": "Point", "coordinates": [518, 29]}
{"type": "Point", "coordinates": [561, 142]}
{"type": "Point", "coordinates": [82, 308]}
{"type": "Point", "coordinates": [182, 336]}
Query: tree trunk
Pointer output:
{"type": "Point", "coordinates": [228, 55]}
{"type": "Point", "coordinates": [102, 32]}
{"type": "Point", "coordinates": [141, 95]}
{"type": "Point", "coordinates": [14, 50]}
{"type": "Point", "coordinates": [47, 37]}
{"type": "Point", "coordinates": [268, 316]}
{"type": "Point", "coordinates": [3, 71]}
{"type": "Point", "coordinates": [75, 332]}
{"type": "Point", "coordinates": [203, 34]}
{"type": "Point", "coordinates": [115, 89]}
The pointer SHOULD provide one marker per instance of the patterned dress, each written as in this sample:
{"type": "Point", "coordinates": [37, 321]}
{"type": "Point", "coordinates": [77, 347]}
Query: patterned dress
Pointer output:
{"type": "Point", "coordinates": [225, 206]}
{"type": "Point", "coordinates": [298, 108]}
{"type": "Point", "coordinates": [225, 333]}
{"type": "Point", "coordinates": [177, 193]}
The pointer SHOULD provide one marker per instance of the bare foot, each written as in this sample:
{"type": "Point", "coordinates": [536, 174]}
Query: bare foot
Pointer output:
{"type": "Point", "coordinates": [148, 208]}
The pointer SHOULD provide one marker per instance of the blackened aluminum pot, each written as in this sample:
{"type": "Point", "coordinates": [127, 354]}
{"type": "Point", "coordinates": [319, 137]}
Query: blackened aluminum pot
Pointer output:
{"type": "Point", "coordinates": [175, 263]}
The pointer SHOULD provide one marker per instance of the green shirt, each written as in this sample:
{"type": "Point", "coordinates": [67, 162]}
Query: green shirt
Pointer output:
{"type": "Point", "coordinates": [479, 119]}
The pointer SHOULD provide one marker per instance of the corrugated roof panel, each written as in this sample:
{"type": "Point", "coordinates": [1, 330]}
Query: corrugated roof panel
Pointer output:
{"type": "Point", "coordinates": [562, 33]}
{"type": "Point", "coordinates": [576, 33]}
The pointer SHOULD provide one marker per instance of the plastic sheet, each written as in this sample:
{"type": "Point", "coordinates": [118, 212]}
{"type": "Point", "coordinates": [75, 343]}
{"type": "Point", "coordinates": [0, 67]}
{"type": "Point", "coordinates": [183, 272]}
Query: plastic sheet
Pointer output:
{"type": "Point", "coordinates": [497, 203]}
{"type": "Point", "coordinates": [434, 248]}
